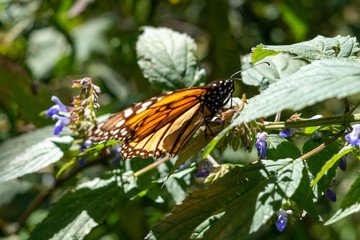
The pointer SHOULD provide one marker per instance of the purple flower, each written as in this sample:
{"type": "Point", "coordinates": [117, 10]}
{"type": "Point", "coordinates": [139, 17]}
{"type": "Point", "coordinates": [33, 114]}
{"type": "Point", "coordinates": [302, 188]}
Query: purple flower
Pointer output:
{"type": "Point", "coordinates": [330, 194]}
{"type": "Point", "coordinates": [116, 151]}
{"type": "Point", "coordinates": [353, 137]}
{"type": "Point", "coordinates": [282, 219]}
{"type": "Point", "coordinates": [288, 132]}
{"type": "Point", "coordinates": [58, 107]}
{"type": "Point", "coordinates": [86, 144]}
{"type": "Point", "coordinates": [342, 163]}
{"type": "Point", "coordinates": [261, 144]}
{"type": "Point", "coordinates": [61, 122]}
{"type": "Point", "coordinates": [82, 162]}
{"type": "Point", "coordinates": [205, 169]}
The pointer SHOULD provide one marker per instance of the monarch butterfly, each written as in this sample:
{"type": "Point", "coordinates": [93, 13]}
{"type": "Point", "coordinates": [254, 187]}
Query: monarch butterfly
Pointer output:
{"type": "Point", "coordinates": [165, 123]}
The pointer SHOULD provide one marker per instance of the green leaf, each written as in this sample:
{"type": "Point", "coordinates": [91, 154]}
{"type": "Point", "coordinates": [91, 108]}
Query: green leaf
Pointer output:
{"type": "Point", "coordinates": [281, 66]}
{"type": "Point", "coordinates": [304, 196]}
{"type": "Point", "coordinates": [316, 163]}
{"type": "Point", "coordinates": [45, 48]}
{"type": "Point", "coordinates": [280, 148]}
{"type": "Point", "coordinates": [116, 84]}
{"type": "Point", "coordinates": [10, 189]}
{"type": "Point", "coordinates": [94, 29]}
{"type": "Point", "coordinates": [204, 227]}
{"type": "Point", "coordinates": [259, 53]}
{"type": "Point", "coordinates": [77, 212]}
{"type": "Point", "coordinates": [167, 58]}
{"type": "Point", "coordinates": [330, 163]}
{"type": "Point", "coordinates": [249, 195]}
{"type": "Point", "coordinates": [320, 48]}
{"type": "Point", "coordinates": [315, 82]}
{"type": "Point", "coordinates": [31, 152]}
{"type": "Point", "coordinates": [350, 204]}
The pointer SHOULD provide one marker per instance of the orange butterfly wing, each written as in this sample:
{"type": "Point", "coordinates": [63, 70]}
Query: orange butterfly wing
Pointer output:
{"type": "Point", "coordinates": [160, 125]}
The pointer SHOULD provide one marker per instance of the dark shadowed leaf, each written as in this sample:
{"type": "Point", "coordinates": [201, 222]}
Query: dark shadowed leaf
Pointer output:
{"type": "Point", "coordinates": [350, 204]}
{"type": "Point", "coordinates": [249, 195]}
{"type": "Point", "coordinates": [77, 212]}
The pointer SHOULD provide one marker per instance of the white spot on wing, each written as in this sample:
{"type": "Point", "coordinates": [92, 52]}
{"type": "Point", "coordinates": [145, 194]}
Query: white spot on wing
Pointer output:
{"type": "Point", "coordinates": [146, 104]}
{"type": "Point", "coordinates": [128, 112]}
{"type": "Point", "coordinates": [119, 124]}
{"type": "Point", "coordinates": [140, 110]}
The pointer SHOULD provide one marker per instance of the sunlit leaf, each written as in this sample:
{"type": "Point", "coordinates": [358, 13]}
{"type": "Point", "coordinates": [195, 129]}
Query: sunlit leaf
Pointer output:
{"type": "Point", "coordinates": [31, 152]}
{"type": "Point", "coordinates": [320, 48]}
{"type": "Point", "coordinates": [330, 163]}
{"type": "Point", "coordinates": [281, 66]}
{"type": "Point", "coordinates": [167, 58]}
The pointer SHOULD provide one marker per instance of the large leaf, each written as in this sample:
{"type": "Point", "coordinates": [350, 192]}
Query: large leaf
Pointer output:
{"type": "Point", "coordinates": [116, 84]}
{"type": "Point", "coordinates": [280, 148]}
{"type": "Point", "coordinates": [45, 48]}
{"type": "Point", "coordinates": [77, 212]}
{"type": "Point", "coordinates": [10, 189]}
{"type": "Point", "coordinates": [167, 58]}
{"type": "Point", "coordinates": [18, 93]}
{"type": "Point", "coordinates": [249, 195]}
{"type": "Point", "coordinates": [281, 66]}
{"type": "Point", "coordinates": [350, 204]}
{"type": "Point", "coordinates": [31, 152]}
{"type": "Point", "coordinates": [318, 48]}
{"type": "Point", "coordinates": [90, 37]}
{"type": "Point", "coordinates": [313, 83]}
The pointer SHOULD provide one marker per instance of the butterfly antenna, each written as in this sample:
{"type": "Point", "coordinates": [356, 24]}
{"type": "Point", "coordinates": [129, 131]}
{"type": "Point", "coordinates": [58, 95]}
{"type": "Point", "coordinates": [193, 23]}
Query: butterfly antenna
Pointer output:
{"type": "Point", "coordinates": [240, 71]}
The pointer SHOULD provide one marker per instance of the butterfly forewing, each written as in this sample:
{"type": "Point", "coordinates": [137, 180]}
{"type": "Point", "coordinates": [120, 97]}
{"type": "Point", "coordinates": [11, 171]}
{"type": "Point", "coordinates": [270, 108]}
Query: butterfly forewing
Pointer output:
{"type": "Point", "coordinates": [165, 123]}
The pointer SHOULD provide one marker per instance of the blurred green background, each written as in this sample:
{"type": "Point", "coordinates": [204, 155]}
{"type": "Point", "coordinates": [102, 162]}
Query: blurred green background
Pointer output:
{"type": "Point", "coordinates": [46, 44]}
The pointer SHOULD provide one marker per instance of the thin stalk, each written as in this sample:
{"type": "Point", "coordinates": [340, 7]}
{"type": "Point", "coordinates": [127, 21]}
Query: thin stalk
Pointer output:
{"type": "Point", "coordinates": [322, 146]}
{"type": "Point", "coordinates": [151, 166]}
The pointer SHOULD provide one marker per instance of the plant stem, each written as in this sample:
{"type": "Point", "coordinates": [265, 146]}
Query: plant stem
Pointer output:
{"type": "Point", "coordinates": [322, 146]}
{"type": "Point", "coordinates": [313, 122]}
{"type": "Point", "coordinates": [151, 166]}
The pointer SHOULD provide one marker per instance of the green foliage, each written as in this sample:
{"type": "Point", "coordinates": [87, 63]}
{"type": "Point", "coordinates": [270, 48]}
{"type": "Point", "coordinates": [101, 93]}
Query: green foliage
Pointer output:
{"type": "Point", "coordinates": [45, 45]}
{"type": "Point", "coordinates": [167, 58]}
{"type": "Point", "coordinates": [31, 152]}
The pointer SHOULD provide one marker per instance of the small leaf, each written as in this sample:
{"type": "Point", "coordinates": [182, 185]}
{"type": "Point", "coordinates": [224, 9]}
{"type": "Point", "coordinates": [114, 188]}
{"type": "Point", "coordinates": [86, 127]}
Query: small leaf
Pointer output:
{"type": "Point", "coordinates": [350, 204]}
{"type": "Point", "coordinates": [320, 48]}
{"type": "Point", "coordinates": [77, 212]}
{"type": "Point", "coordinates": [31, 152]}
{"type": "Point", "coordinates": [168, 58]}
{"type": "Point", "coordinates": [259, 53]}
{"type": "Point", "coordinates": [281, 66]}
{"type": "Point", "coordinates": [250, 195]}
{"type": "Point", "coordinates": [45, 48]}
